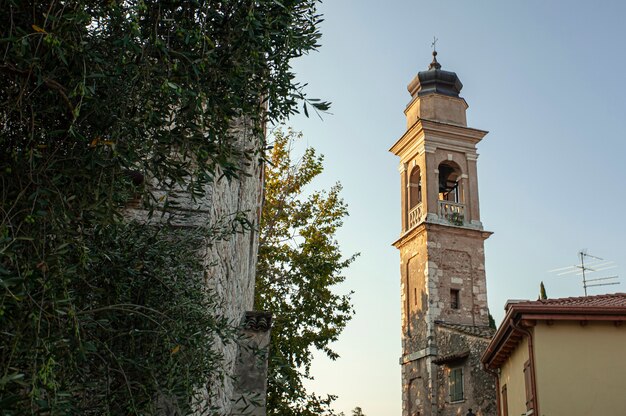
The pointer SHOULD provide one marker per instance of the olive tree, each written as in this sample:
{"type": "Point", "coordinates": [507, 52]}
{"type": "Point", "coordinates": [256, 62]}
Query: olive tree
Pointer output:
{"type": "Point", "coordinates": [100, 315]}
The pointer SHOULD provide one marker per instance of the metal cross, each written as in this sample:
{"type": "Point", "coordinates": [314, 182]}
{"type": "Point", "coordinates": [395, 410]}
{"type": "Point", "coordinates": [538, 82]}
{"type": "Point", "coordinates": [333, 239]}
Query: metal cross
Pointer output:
{"type": "Point", "coordinates": [434, 44]}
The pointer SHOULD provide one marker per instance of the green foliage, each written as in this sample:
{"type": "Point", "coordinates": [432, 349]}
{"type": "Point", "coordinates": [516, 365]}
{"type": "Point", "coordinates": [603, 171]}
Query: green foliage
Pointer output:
{"type": "Point", "coordinates": [299, 265]}
{"type": "Point", "coordinates": [102, 329]}
{"type": "Point", "coordinates": [97, 100]}
{"type": "Point", "coordinates": [357, 411]}
{"type": "Point", "coordinates": [111, 324]}
{"type": "Point", "coordinates": [492, 322]}
{"type": "Point", "coordinates": [456, 218]}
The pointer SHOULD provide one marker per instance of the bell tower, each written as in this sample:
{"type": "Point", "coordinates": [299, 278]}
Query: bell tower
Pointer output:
{"type": "Point", "coordinates": [445, 318]}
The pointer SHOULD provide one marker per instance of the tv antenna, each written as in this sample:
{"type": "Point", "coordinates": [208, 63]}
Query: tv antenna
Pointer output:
{"type": "Point", "coordinates": [589, 264]}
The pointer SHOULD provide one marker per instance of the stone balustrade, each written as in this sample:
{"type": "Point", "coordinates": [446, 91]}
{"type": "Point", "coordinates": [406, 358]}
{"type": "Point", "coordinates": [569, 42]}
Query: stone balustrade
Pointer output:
{"type": "Point", "coordinates": [416, 215]}
{"type": "Point", "coordinates": [452, 212]}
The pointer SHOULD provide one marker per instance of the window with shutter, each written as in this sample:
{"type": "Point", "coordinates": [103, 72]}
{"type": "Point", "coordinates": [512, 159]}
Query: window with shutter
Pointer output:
{"type": "Point", "coordinates": [529, 386]}
{"type": "Point", "coordinates": [505, 402]}
{"type": "Point", "coordinates": [456, 384]}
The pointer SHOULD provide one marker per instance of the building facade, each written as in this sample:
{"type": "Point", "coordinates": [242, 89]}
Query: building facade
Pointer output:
{"type": "Point", "coordinates": [561, 357]}
{"type": "Point", "coordinates": [445, 318]}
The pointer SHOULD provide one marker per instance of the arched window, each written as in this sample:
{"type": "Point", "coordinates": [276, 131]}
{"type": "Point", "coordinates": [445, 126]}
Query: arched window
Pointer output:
{"type": "Point", "coordinates": [451, 207]}
{"type": "Point", "coordinates": [415, 187]}
{"type": "Point", "coordinates": [449, 182]}
{"type": "Point", "coordinates": [414, 197]}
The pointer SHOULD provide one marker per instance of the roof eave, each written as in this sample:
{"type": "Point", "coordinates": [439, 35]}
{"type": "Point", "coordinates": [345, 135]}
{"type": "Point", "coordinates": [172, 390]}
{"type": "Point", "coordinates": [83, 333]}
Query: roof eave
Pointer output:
{"type": "Point", "coordinates": [507, 333]}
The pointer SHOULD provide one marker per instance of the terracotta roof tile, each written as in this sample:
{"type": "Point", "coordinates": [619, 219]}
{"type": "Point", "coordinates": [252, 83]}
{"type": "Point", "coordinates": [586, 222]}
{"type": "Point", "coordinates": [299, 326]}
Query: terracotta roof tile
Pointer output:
{"type": "Point", "coordinates": [452, 357]}
{"type": "Point", "coordinates": [615, 300]}
{"type": "Point", "coordinates": [477, 331]}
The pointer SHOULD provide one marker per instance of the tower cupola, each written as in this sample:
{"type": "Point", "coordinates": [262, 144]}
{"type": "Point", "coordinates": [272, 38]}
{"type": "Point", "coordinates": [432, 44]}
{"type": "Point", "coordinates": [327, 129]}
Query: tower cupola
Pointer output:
{"type": "Point", "coordinates": [435, 81]}
{"type": "Point", "coordinates": [435, 97]}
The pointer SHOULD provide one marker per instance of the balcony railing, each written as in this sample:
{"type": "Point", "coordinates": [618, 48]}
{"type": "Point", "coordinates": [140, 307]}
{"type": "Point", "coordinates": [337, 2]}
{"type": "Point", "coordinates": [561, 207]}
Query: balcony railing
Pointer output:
{"type": "Point", "coordinates": [450, 212]}
{"type": "Point", "coordinates": [453, 212]}
{"type": "Point", "coordinates": [415, 215]}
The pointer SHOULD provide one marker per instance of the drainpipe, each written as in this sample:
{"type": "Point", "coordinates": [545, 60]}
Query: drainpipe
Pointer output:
{"type": "Point", "coordinates": [531, 357]}
{"type": "Point", "coordinates": [497, 377]}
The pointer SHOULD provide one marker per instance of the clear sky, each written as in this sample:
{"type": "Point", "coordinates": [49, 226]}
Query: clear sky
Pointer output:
{"type": "Point", "coordinates": [545, 78]}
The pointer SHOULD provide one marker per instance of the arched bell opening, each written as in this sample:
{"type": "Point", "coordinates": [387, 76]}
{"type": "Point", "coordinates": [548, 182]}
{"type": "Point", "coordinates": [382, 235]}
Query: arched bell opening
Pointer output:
{"type": "Point", "coordinates": [415, 197]}
{"type": "Point", "coordinates": [451, 193]}
{"type": "Point", "coordinates": [449, 182]}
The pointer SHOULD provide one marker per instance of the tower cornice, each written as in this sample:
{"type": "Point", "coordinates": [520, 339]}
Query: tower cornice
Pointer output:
{"type": "Point", "coordinates": [436, 132]}
{"type": "Point", "coordinates": [430, 227]}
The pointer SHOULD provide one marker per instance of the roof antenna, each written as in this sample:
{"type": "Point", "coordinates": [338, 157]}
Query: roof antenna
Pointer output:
{"type": "Point", "coordinates": [596, 264]}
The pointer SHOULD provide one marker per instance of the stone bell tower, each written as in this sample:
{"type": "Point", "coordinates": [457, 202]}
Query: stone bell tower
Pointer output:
{"type": "Point", "coordinates": [445, 319]}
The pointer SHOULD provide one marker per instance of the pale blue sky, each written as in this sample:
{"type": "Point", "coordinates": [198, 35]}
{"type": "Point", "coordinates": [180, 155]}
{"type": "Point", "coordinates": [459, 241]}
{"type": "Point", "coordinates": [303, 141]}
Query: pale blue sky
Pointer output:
{"type": "Point", "coordinates": [545, 78]}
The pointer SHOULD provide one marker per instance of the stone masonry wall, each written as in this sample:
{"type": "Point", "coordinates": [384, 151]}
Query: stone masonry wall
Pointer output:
{"type": "Point", "coordinates": [229, 261]}
{"type": "Point", "coordinates": [416, 390]}
{"type": "Point", "coordinates": [414, 294]}
{"type": "Point", "coordinates": [459, 255]}
{"type": "Point", "coordinates": [479, 392]}
{"type": "Point", "coordinates": [434, 260]}
{"type": "Point", "coordinates": [431, 264]}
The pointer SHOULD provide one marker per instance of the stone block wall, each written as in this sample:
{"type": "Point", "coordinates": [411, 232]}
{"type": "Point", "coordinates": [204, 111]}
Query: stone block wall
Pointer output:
{"type": "Point", "coordinates": [436, 259]}
{"type": "Point", "coordinates": [229, 252]}
{"type": "Point", "coordinates": [252, 365]}
{"type": "Point", "coordinates": [433, 262]}
{"type": "Point", "coordinates": [479, 392]}
{"type": "Point", "coordinates": [460, 260]}
{"type": "Point", "coordinates": [230, 263]}
{"type": "Point", "coordinates": [414, 294]}
{"type": "Point", "coordinates": [416, 397]}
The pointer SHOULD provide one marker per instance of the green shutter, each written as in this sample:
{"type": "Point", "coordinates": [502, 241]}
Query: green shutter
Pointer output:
{"type": "Point", "coordinates": [455, 381]}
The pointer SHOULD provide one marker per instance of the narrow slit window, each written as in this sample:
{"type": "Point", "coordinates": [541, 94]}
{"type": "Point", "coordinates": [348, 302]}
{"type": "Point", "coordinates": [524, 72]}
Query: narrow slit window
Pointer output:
{"type": "Point", "coordinates": [454, 299]}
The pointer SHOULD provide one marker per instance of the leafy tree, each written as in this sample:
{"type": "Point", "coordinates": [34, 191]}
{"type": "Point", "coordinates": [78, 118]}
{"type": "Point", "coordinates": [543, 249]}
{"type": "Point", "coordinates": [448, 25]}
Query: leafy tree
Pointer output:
{"type": "Point", "coordinates": [357, 411]}
{"type": "Point", "coordinates": [299, 264]}
{"type": "Point", "coordinates": [98, 99]}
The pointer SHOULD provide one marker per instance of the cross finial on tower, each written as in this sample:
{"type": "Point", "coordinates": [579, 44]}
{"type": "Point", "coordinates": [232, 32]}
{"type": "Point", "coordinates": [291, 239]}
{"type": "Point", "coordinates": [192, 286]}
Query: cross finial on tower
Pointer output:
{"type": "Point", "coordinates": [434, 64]}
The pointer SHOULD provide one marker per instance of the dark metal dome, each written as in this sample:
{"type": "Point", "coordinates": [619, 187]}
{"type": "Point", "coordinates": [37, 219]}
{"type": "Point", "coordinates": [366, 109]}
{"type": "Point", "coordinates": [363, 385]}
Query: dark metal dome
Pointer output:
{"type": "Point", "coordinates": [435, 81]}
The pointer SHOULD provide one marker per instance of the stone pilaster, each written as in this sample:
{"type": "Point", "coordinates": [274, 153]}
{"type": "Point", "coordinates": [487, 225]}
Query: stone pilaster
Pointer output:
{"type": "Point", "coordinates": [250, 392]}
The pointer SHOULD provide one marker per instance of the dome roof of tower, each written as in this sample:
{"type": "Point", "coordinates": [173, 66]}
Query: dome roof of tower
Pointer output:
{"type": "Point", "coordinates": [435, 81]}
